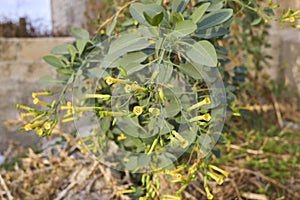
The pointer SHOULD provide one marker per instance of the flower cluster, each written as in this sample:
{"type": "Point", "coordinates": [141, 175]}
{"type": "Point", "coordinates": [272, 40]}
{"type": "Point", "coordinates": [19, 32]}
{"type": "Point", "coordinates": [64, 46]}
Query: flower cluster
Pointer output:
{"type": "Point", "coordinates": [40, 121]}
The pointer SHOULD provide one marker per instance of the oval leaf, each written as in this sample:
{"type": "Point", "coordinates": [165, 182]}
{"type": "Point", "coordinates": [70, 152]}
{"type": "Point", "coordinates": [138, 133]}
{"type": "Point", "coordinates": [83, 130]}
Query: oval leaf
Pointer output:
{"type": "Point", "coordinates": [184, 28]}
{"type": "Point", "coordinates": [203, 53]}
{"type": "Point", "coordinates": [179, 5]}
{"type": "Point", "coordinates": [80, 34]}
{"type": "Point", "coordinates": [199, 12]}
{"type": "Point", "coordinates": [54, 61]}
{"type": "Point", "coordinates": [60, 50]}
{"type": "Point", "coordinates": [154, 21]}
{"type": "Point", "coordinates": [137, 11]}
{"type": "Point", "coordinates": [214, 18]}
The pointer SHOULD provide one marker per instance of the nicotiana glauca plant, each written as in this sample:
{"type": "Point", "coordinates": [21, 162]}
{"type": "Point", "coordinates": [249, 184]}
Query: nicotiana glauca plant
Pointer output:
{"type": "Point", "coordinates": [147, 93]}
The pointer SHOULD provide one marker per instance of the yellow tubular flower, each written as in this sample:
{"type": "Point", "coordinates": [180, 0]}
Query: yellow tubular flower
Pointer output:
{"type": "Point", "coordinates": [47, 125]}
{"type": "Point", "coordinates": [40, 131]}
{"type": "Point", "coordinates": [31, 114]}
{"type": "Point", "coordinates": [161, 94]}
{"type": "Point", "coordinates": [68, 120]}
{"type": "Point", "coordinates": [110, 80]}
{"type": "Point", "coordinates": [183, 142]}
{"type": "Point", "coordinates": [18, 106]}
{"type": "Point", "coordinates": [128, 88]}
{"type": "Point", "coordinates": [38, 94]}
{"type": "Point", "coordinates": [216, 177]}
{"type": "Point", "coordinates": [69, 103]}
{"type": "Point", "coordinates": [170, 197]}
{"type": "Point", "coordinates": [137, 110]}
{"type": "Point", "coordinates": [154, 111]}
{"type": "Point", "coordinates": [125, 192]}
{"type": "Point", "coordinates": [37, 101]}
{"type": "Point", "coordinates": [226, 174]}
{"type": "Point", "coordinates": [136, 23]}
{"type": "Point", "coordinates": [205, 117]}
{"type": "Point", "coordinates": [208, 194]}
{"type": "Point", "coordinates": [205, 101]}
{"type": "Point", "coordinates": [98, 96]}
{"type": "Point", "coordinates": [292, 19]}
{"type": "Point", "coordinates": [65, 107]}
{"type": "Point", "coordinates": [111, 114]}
{"type": "Point", "coordinates": [121, 137]}
{"type": "Point", "coordinates": [136, 87]}
{"type": "Point", "coordinates": [27, 127]}
{"type": "Point", "coordinates": [102, 32]}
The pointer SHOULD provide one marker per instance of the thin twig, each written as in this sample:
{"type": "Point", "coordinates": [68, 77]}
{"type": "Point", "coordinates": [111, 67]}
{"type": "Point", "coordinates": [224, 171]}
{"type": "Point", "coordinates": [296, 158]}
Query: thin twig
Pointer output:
{"type": "Point", "coordinates": [115, 15]}
{"type": "Point", "coordinates": [9, 196]}
{"type": "Point", "coordinates": [250, 151]}
{"type": "Point", "coordinates": [236, 189]}
{"type": "Point", "coordinates": [274, 182]}
{"type": "Point", "coordinates": [277, 110]}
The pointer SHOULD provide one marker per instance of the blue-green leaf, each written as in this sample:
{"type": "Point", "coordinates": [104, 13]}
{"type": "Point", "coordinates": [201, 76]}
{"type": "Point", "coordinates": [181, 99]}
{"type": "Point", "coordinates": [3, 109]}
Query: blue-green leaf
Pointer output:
{"type": "Point", "coordinates": [80, 45]}
{"type": "Point", "coordinates": [80, 34]}
{"type": "Point", "coordinates": [72, 50]}
{"type": "Point", "coordinates": [184, 28]}
{"type": "Point", "coordinates": [199, 12]}
{"type": "Point", "coordinates": [214, 18]}
{"type": "Point", "coordinates": [60, 50]}
{"type": "Point", "coordinates": [49, 80]}
{"type": "Point", "coordinates": [191, 70]}
{"type": "Point", "coordinates": [111, 27]}
{"type": "Point", "coordinates": [179, 5]}
{"type": "Point", "coordinates": [137, 11]}
{"type": "Point", "coordinates": [203, 53]}
{"type": "Point", "coordinates": [154, 21]}
{"type": "Point", "coordinates": [54, 61]}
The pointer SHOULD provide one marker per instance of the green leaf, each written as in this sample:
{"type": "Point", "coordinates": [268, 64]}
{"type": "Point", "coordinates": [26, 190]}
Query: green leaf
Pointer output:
{"type": "Point", "coordinates": [212, 32]}
{"type": "Point", "coordinates": [137, 11]}
{"type": "Point", "coordinates": [149, 31]}
{"type": "Point", "coordinates": [203, 53]}
{"type": "Point", "coordinates": [143, 159]}
{"type": "Point", "coordinates": [97, 73]}
{"type": "Point", "coordinates": [184, 28]}
{"type": "Point", "coordinates": [131, 126]}
{"type": "Point", "coordinates": [132, 163]}
{"type": "Point", "coordinates": [54, 61]}
{"type": "Point", "coordinates": [80, 45]}
{"type": "Point", "coordinates": [191, 70]}
{"type": "Point", "coordinates": [199, 12]}
{"type": "Point", "coordinates": [80, 34]}
{"type": "Point", "coordinates": [65, 71]}
{"type": "Point", "coordinates": [256, 21]}
{"type": "Point", "coordinates": [179, 5]}
{"type": "Point", "coordinates": [215, 31]}
{"type": "Point", "coordinates": [165, 73]}
{"type": "Point", "coordinates": [112, 26]}
{"type": "Point", "coordinates": [154, 21]}
{"type": "Point", "coordinates": [135, 57]}
{"type": "Point", "coordinates": [214, 18]}
{"type": "Point", "coordinates": [177, 17]}
{"type": "Point", "coordinates": [60, 50]}
{"type": "Point", "coordinates": [72, 50]}
{"type": "Point", "coordinates": [173, 106]}
{"type": "Point", "coordinates": [49, 80]}
{"type": "Point", "coordinates": [215, 5]}
{"type": "Point", "coordinates": [128, 42]}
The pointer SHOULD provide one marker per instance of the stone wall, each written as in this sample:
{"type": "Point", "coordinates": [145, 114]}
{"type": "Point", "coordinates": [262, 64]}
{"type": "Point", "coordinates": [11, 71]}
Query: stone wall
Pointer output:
{"type": "Point", "coordinates": [67, 14]}
{"type": "Point", "coordinates": [21, 67]}
{"type": "Point", "coordinates": [285, 51]}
